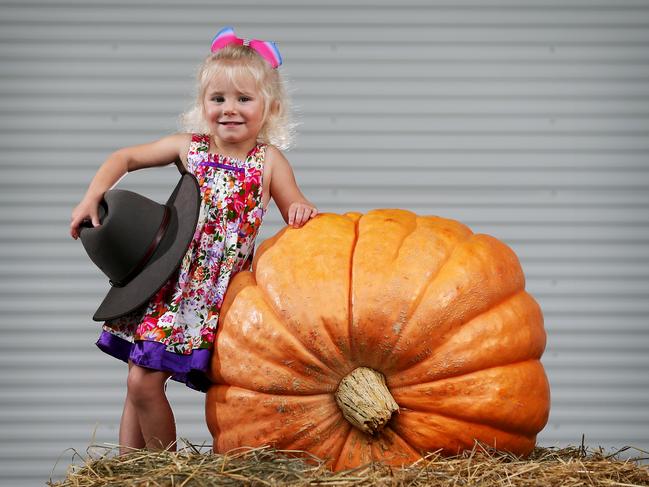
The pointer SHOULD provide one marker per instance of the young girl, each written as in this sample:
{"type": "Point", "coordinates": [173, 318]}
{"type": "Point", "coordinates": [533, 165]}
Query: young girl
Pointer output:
{"type": "Point", "coordinates": [240, 117]}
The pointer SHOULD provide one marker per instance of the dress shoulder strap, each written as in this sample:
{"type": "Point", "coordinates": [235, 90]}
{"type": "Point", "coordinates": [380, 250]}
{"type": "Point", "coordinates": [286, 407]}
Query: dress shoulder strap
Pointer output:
{"type": "Point", "coordinates": [262, 149]}
{"type": "Point", "coordinates": [259, 155]}
{"type": "Point", "coordinates": [200, 143]}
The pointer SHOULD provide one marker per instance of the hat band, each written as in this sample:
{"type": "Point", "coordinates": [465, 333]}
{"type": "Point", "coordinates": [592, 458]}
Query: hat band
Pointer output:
{"type": "Point", "coordinates": [149, 252]}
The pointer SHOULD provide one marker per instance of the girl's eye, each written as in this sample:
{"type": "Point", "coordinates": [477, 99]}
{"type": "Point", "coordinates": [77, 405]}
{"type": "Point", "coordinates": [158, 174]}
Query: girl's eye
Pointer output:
{"type": "Point", "coordinates": [244, 98]}
{"type": "Point", "coordinates": [218, 99]}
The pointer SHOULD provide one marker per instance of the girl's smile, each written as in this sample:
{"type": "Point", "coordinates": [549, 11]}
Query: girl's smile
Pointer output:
{"type": "Point", "coordinates": [234, 113]}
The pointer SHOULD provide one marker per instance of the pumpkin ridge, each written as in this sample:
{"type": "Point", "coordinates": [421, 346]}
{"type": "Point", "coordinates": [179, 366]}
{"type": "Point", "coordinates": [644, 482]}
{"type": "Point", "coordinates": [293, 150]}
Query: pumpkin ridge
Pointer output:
{"type": "Point", "coordinates": [305, 306]}
{"type": "Point", "coordinates": [297, 425]}
{"type": "Point", "coordinates": [398, 435]}
{"type": "Point", "coordinates": [341, 443]}
{"type": "Point", "coordinates": [298, 397]}
{"type": "Point", "coordinates": [469, 424]}
{"type": "Point", "coordinates": [405, 236]}
{"type": "Point", "coordinates": [395, 241]}
{"type": "Point", "coordinates": [333, 421]}
{"type": "Point", "coordinates": [405, 219]}
{"type": "Point", "coordinates": [295, 337]}
{"type": "Point", "coordinates": [248, 348]}
{"type": "Point", "coordinates": [455, 376]}
{"type": "Point", "coordinates": [350, 299]}
{"type": "Point", "coordinates": [361, 449]}
{"type": "Point", "coordinates": [493, 426]}
{"type": "Point", "coordinates": [468, 318]}
{"type": "Point", "coordinates": [515, 429]}
{"type": "Point", "coordinates": [339, 458]}
{"type": "Point", "coordinates": [424, 288]}
{"type": "Point", "coordinates": [278, 390]}
{"type": "Point", "coordinates": [451, 334]}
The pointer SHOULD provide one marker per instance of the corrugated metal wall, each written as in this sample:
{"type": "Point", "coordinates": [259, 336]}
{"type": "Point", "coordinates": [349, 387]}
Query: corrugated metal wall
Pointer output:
{"type": "Point", "coordinates": [525, 120]}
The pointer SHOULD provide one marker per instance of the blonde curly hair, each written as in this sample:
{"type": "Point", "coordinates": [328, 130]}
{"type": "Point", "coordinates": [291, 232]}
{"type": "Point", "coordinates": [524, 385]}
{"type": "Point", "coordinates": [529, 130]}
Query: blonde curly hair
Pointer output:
{"type": "Point", "coordinates": [235, 61]}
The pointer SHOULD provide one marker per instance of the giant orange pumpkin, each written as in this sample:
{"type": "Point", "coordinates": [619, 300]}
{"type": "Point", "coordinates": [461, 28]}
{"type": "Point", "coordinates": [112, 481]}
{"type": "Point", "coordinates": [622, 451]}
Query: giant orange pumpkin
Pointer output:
{"type": "Point", "coordinates": [379, 337]}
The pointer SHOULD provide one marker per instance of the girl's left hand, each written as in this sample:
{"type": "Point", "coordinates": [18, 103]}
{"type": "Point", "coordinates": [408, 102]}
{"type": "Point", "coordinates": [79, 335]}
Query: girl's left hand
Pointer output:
{"type": "Point", "coordinates": [300, 213]}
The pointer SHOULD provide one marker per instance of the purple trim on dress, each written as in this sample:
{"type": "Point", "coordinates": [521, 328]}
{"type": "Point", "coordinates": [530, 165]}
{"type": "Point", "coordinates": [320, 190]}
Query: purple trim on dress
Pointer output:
{"type": "Point", "coordinates": [189, 369]}
{"type": "Point", "coordinates": [223, 166]}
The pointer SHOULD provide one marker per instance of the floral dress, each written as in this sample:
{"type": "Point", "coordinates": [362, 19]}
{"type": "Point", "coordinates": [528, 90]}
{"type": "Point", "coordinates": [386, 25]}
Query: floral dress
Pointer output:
{"type": "Point", "coordinates": [175, 330]}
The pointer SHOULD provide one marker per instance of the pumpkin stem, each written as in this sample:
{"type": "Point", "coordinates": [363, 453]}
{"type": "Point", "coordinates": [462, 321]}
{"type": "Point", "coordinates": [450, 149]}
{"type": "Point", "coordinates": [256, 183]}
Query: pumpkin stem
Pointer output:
{"type": "Point", "coordinates": [365, 400]}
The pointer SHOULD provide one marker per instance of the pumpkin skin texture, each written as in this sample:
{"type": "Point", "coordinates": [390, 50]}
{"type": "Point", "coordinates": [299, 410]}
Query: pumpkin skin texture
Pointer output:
{"type": "Point", "coordinates": [441, 312]}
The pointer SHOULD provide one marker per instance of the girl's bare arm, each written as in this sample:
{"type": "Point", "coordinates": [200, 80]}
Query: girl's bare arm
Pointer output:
{"type": "Point", "coordinates": [292, 204]}
{"type": "Point", "coordinates": [164, 151]}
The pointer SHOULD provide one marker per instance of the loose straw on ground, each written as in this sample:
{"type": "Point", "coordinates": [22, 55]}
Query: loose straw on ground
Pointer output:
{"type": "Point", "coordinates": [189, 467]}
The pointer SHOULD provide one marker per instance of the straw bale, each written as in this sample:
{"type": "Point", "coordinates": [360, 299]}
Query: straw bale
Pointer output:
{"type": "Point", "coordinates": [196, 465]}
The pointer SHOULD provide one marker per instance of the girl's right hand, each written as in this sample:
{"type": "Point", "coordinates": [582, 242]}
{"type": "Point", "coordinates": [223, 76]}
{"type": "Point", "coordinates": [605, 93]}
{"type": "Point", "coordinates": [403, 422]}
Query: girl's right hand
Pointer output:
{"type": "Point", "coordinates": [88, 209]}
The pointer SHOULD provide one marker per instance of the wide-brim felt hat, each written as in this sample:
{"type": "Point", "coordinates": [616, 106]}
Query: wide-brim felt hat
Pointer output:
{"type": "Point", "coordinates": [140, 243]}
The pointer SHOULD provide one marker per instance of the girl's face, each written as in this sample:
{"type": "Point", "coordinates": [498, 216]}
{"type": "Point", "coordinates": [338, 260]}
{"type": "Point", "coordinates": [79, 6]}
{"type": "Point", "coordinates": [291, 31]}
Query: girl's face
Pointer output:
{"type": "Point", "coordinates": [234, 115]}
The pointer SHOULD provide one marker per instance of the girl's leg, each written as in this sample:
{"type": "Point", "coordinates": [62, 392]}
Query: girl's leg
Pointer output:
{"type": "Point", "coordinates": [130, 433]}
{"type": "Point", "coordinates": [146, 390]}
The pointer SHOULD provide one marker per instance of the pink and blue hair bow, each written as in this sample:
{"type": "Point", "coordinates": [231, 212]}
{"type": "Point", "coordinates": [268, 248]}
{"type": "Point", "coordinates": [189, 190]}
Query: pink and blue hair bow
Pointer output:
{"type": "Point", "coordinates": [266, 49]}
